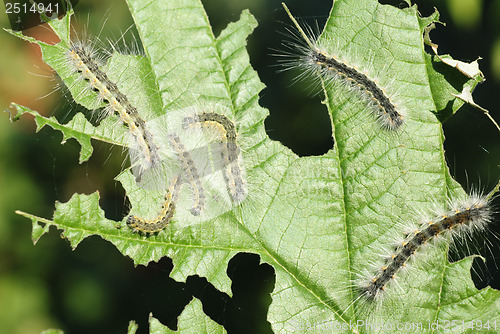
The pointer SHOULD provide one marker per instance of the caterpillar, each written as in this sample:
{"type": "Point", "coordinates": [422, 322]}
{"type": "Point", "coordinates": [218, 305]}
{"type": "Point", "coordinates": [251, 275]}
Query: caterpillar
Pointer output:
{"type": "Point", "coordinates": [309, 56]}
{"type": "Point", "coordinates": [469, 215]}
{"type": "Point", "coordinates": [82, 57]}
{"type": "Point", "coordinates": [189, 169]}
{"type": "Point", "coordinates": [164, 217]}
{"type": "Point", "coordinates": [230, 152]}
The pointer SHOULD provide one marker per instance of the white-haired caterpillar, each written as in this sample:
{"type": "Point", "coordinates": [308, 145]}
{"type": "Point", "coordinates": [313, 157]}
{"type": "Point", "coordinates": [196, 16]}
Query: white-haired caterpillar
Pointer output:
{"type": "Point", "coordinates": [164, 217]}
{"type": "Point", "coordinates": [472, 214]}
{"type": "Point", "coordinates": [309, 56]}
{"type": "Point", "coordinates": [143, 145]}
{"type": "Point", "coordinates": [189, 169]}
{"type": "Point", "coordinates": [230, 153]}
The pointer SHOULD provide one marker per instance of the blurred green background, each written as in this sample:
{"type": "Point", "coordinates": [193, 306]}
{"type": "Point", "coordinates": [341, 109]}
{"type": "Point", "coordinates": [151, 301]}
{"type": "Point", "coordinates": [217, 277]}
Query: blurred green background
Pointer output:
{"type": "Point", "coordinates": [89, 289]}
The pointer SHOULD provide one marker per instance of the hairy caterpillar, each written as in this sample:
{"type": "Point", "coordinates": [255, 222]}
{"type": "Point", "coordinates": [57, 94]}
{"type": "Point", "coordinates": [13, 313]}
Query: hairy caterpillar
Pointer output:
{"type": "Point", "coordinates": [82, 57]}
{"type": "Point", "coordinates": [313, 60]}
{"type": "Point", "coordinates": [189, 169]}
{"type": "Point", "coordinates": [462, 217]}
{"type": "Point", "coordinates": [164, 216]}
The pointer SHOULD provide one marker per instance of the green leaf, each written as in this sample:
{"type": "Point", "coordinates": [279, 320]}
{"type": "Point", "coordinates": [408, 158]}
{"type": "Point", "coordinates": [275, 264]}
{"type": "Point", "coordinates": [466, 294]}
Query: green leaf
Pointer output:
{"type": "Point", "coordinates": [78, 128]}
{"type": "Point", "coordinates": [319, 221]}
{"type": "Point", "coordinates": [132, 327]}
